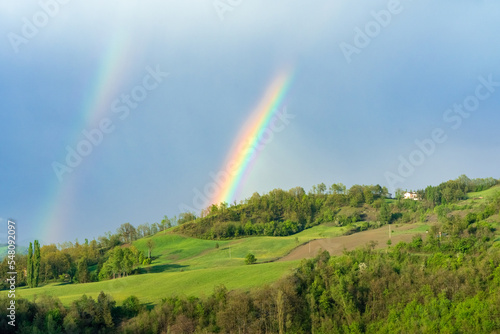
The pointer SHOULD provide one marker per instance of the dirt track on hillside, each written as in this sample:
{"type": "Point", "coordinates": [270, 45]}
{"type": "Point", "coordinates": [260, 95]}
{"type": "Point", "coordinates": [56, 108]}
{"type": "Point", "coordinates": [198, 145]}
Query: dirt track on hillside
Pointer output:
{"type": "Point", "coordinates": [335, 246]}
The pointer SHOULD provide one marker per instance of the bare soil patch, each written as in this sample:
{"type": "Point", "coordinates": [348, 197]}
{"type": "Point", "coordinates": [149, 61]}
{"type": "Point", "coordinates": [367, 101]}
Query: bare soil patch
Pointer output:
{"type": "Point", "coordinates": [336, 246]}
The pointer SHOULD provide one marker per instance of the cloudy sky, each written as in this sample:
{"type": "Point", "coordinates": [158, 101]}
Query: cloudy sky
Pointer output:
{"type": "Point", "coordinates": [119, 111]}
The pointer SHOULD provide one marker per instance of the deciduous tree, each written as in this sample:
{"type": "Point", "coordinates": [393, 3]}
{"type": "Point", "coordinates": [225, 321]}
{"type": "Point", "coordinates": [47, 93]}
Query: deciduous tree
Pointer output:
{"type": "Point", "coordinates": [150, 243]}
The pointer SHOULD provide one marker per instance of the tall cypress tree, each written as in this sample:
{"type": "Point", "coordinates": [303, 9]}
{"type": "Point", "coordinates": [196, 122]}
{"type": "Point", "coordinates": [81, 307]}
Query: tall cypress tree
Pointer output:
{"type": "Point", "coordinates": [29, 266]}
{"type": "Point", "coordinates": [83, 271]}
{"type": "Point", "coordinates": [36, 264]}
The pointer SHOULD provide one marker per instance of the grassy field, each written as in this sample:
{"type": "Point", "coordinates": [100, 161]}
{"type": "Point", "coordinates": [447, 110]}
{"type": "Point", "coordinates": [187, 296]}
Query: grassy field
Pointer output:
{"type": "Point", "coordinates": [420, 228]}
{"type": "Point", "coordinates": [486, 194]}
{"type": "Point", "coordinates": [151, 288]}
{"type": "Point", "coordinates": [190, 266]}
{"type": "Point", "coordinates": [174, 252]}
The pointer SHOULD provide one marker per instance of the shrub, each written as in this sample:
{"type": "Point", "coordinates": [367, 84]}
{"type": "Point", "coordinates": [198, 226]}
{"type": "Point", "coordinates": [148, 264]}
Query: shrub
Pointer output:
{"type": "Point", "coordinates": [131, 307]}
{"type": "Point", "coordinates": [416, 242]}
{"type": "Point", "coordinates": [250, 259]}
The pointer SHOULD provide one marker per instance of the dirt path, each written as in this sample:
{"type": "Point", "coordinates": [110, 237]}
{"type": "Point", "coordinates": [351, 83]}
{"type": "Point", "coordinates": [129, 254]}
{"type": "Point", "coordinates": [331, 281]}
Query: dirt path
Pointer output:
{"type": "Point", "coordinates": [335, 246]}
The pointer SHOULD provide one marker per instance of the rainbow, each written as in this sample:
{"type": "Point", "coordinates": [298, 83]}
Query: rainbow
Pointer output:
{"type": "Point", "coordinates": [108, 78]}
{"type": "Point", "coordinates": [243, 153]}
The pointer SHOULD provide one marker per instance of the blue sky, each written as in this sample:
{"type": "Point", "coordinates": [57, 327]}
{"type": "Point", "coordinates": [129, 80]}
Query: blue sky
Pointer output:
{"type": "Point", "coordinates": [354, 115]}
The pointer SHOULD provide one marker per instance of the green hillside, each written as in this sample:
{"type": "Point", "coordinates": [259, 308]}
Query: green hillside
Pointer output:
{"type": "Point", "coordinates": [190, 266]}
{"type": "Point", "coordinates": [192, 253]}
{"type": "Point", "coordinates": [449, 232]}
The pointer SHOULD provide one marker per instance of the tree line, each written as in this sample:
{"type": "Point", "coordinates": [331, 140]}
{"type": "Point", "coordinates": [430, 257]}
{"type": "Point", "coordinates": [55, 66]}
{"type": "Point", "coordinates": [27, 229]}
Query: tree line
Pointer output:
{"type": "Point", "coordinates": [110, 256]}
{"type": "Point", "coordinates": [453, 190]}
{"type": "Point", "coordinates": [75, 263]}
{"type": "Point", "coordinates": [282, 213]}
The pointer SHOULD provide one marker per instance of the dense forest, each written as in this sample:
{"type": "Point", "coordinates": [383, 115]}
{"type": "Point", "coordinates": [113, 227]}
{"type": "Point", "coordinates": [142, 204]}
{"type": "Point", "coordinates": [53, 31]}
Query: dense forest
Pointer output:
{"type": "Point", "coordinates": [447, 282]}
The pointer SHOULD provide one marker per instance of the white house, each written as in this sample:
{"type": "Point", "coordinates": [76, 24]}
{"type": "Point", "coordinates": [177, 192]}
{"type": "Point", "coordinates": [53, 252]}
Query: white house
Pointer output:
{"type": "Point", "coordinates": [412, 196]}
